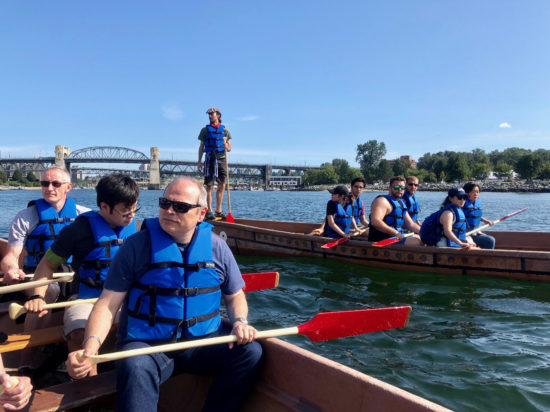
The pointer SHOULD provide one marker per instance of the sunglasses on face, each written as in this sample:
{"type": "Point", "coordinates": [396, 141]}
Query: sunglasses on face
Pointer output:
{"type": "Point", "coordinates": [397, 187]}
{"type": "Point", "coordinates": [55, 183]}
{"type": "Point", "coordinates": [179, 207]}
{"type": "Point", "coordinates": [126, 215]}
{"type": "Point", "coordinates": [413, 184]}
{"type": "Point", "coordinates": [462, 197]}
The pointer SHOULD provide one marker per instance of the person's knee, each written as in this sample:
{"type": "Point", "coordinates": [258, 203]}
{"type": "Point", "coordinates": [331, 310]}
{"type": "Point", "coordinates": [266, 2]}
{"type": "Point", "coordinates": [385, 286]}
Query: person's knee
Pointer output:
{"type": "Point", "coordinates": [75, 339]}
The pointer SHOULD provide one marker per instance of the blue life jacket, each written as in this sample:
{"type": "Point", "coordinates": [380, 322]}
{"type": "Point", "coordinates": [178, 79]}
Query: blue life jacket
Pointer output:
{"type": "Point", "coordinates": [357, 208]}
{"type": "Point", "coordinates": [342, 219]}
{"type": "Point", "coordinates": [431, 230]}
{"type": "Point", "coordinates": [396, 218]}
{"type": "Point", "coordinates": [473, 213]}
{"type": "Point", "coordinates": [412, 206]}
{"type": "Point", "coordinates": [179, 296]}
{"type": "Point", "coordinates": [214, 139]}
{"type": "Point", "coordinates": [93, 269]}
{"type": "Point", "coordinates": [50, 224]}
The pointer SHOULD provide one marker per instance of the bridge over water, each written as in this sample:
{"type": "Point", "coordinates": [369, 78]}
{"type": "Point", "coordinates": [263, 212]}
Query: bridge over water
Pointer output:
{"type": "Point", "coordinates": [152, 168]}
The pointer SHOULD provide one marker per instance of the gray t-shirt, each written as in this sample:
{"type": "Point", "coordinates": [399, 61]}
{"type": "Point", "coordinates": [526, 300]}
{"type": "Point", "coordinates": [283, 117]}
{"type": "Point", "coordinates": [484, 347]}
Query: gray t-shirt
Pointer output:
{"type": "Point", "coordinates": [26, 221]}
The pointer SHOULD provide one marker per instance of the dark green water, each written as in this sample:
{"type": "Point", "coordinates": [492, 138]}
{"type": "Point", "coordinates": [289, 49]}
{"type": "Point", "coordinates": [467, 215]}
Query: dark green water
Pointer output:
{"type": "Point", "coordinates": [472, 343]}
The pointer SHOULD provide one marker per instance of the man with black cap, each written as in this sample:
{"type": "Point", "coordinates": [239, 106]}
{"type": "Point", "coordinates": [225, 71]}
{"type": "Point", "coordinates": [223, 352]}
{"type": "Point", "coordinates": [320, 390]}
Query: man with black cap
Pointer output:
{"type": "Point", "coordinates": [215, 143]}
{"type": "Point", "coordinates": [339, 219]}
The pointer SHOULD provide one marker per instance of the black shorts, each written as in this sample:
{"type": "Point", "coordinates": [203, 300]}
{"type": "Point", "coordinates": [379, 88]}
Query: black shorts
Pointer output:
{"type": "Point", "coordinates": [210, 172]}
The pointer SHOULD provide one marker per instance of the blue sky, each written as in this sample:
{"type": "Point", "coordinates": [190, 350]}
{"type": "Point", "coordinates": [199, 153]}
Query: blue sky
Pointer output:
{"type": "Point", "coordinates": [298, 82]}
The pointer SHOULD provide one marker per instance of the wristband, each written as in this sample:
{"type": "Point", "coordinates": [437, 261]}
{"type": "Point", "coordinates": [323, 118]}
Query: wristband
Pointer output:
{"type": "Point", "coordinates": [91, 337]}
{"type": "Point", "coordinates": [36, 297]}
{"type": "Point", "coordinates": [242, 320]}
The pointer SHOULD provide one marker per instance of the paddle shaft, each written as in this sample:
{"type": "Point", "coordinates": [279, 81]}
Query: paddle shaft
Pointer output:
{"type": "Point", "coordinates": [31, 275]}
{"type": "Point", "coordinates": [229, 215]}
{"type": "Point", "coordinates": [253, 282]}
{"type": "Point", "coordinates": [471, 232]}
{"type": "Point", "coordinates": [324, 326]}
{"type": "Point", "coordinates": [337, 242]}
{"type": "Point", "coordinates": [15, 310]}
{"type": "Point", "coordinates": [68, 277]}
{"type": "Point", "coordinates": [14, 382]}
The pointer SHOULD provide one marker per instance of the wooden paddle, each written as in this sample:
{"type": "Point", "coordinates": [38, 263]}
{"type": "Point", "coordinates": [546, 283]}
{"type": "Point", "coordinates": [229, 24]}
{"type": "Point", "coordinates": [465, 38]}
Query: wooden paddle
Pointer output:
{"type": "Point", "coordinates": [392, 240]}
{"type": "Point", "coordinates": [66, 277]}
{"type": "Point", "coordinates": [229, 218]}
{"type": "Point", "coordinates": [337, 242]}
{"type": "Point", "coordinates": [253, 282]}
{"type": "Point", "coordinates": [31, 275]}
{"type": "Point", "coordinates": [471, 232]}
{"type": "Point", "coordinates": [324, 326]}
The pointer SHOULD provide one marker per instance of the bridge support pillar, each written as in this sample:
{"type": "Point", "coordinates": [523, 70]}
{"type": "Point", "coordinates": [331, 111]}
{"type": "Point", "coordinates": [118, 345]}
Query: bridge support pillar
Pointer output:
{"type": "Point", "coordinates": [267, 177]}
{"type": "Point", "coordinates": [60, 153]}
{"type": "Point", "coordinates": [154, 169]}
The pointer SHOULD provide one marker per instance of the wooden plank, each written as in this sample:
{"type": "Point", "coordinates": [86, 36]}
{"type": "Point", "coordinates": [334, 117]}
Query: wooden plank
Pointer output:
{"type": "Point", "coordinates": [38, 337]}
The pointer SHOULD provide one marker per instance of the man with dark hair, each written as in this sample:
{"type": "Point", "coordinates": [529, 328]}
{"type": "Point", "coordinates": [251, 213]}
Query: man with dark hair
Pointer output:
{"type": "Point", "coordinates": [357, 187]}
{"type": "Point", "coordinates": [389, 216]}
{"type": "Point", "coordinates": [215, 143]}
{"type": "Point", "coordinates": [409, 198]}
{"type": "Point", "coordinates": [92, 240]}
{"type": "Point", "coordinates": [175, 266]}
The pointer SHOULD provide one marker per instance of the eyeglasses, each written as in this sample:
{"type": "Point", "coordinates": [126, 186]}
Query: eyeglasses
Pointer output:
{"type": "Point", "coordinates": [126, 215]}
{"type": "Point", "coordinates": [179, 207]}
{"type": "Point", "coordinates": [413, 184]}
{"type": "Point", "coordinates": [55, 183]}
{"type": "Point", "coordinates": [397, 187]}
{"type": "Point", "coordinates": [358, 187]}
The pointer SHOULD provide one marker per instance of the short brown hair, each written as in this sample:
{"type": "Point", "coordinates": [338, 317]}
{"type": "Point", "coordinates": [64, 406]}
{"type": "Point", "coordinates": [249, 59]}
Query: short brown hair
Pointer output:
{"type": "Point", "coordinates": [397, 179]}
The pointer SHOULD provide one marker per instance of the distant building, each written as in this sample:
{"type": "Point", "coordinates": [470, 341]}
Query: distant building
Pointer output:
{"type": "Point", "coordinates": [406, 158]}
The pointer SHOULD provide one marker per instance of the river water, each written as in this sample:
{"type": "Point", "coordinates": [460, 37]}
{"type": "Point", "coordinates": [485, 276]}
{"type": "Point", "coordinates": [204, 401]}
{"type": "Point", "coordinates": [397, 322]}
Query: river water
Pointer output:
{"type": "Point", "coordinates": [472, 343]}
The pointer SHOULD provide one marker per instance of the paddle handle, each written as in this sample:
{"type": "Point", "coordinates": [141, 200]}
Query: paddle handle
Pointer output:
{"type": "Point", "coordinates": [187, 345]}
{"type": "Point", "coordinates": [35, 283]}
{"type": "Point", "coordinates": [31, 275]}
{"type": "Point", "coordinates": [227, 180]}
{"type": "Point", "coordinates": [15, 310]}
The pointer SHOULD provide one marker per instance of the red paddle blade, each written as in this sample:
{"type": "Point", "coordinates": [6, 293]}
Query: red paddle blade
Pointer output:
{"type": "Point", "coordinates": [386, 242]}
{"type": "Point", "coordinates": [512, 214]}
{"type": "Point", "coordinates": [335, 243]}
{"type": "Point", "coordinates": [260, 281]}
{"type": "Point", "coordinates": [229, 218]}
{"type": "Point", "coordinates": [333, 325]}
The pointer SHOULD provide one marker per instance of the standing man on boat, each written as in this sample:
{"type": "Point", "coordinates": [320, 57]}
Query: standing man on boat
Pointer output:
{"type": "Point", "coordinates": [181, 266]}
{"type": "Point", "coordinates": [92, 240]}
{"type": "Point", "coordinates": [215, 143]}
{"type": "Point", "coordinates": [36, 227]}
{"type": "Point", "coordinates": [409, 198]}
{"type": "Point", "coordinates": [389, 216]}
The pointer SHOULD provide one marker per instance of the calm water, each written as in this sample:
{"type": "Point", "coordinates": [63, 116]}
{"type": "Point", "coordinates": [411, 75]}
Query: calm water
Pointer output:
{"type": "Point", "coordinates": [472, 344]}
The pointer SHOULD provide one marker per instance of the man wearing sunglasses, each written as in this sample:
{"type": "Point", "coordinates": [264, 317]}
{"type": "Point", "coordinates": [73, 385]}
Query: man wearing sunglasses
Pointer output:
{"type": "Point", "coordinates": [215, 143]}
{"type": "Point", "coordinates": [389, 216]}
{"type": "Point", "coordinates": [36, 227]}
{"type": "Point", "coordinates": [409, 198]}
{"type": "Point", "coordinates": [169, 279]}
{"type": "Point", "coordinates": [92, 240]}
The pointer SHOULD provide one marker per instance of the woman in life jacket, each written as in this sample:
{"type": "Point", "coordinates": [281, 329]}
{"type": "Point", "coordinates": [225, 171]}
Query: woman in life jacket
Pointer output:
{"type": "Point", "coordinates": [474, 217]}
{"type": "Point", "coordinates": [339, 215]}
{"type": "Point", "coordinates": [453, 221]}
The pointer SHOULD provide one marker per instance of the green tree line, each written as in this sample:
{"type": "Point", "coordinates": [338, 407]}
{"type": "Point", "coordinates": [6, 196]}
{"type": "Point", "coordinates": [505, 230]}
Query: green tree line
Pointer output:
{"type": "Point", "coordinates": [18, 179]}
{"type": "Point", "coordinates": [442, 166]}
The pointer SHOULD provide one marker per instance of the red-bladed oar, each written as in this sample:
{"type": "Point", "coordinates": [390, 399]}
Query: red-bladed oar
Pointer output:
{"type": "Point", "coordinates": [335, 242]}
{"type": "Point", "coordinates": [391, 240]}
{"type": "Point", "coordinates": [252, 283]}
{"type": "Point", "coordinates": [324, 326]}
{"type": "Point", "coordinates": [229, 218]}
{"type": "Point", "coordinates": [471, 232]}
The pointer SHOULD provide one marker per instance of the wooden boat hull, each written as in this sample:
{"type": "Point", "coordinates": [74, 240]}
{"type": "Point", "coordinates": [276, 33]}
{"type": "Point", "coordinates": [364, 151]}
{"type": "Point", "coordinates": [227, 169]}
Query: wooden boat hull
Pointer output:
{"type": "Point", "coordinates": [292, 379]}
{"type": "Point", "coordinates": [530, 261]}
